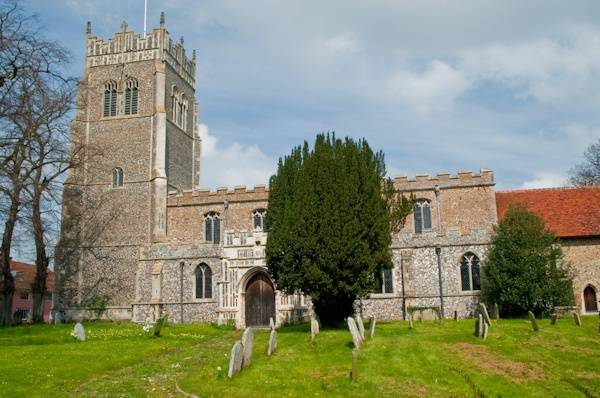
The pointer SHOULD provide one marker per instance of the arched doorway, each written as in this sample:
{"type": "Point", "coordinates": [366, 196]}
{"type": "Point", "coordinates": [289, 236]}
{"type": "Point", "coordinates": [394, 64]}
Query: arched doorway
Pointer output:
{"type": "Point", "coordinates": [590, 300]}
{"type": "Point", "coordinates": [260, 301]}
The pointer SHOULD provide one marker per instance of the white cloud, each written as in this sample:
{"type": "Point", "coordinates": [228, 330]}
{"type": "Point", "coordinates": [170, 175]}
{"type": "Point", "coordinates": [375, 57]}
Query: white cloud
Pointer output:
{"type": "Point", "coordinates": [434, 90]}
{"type": "Point", "coordinates": [545, 180]}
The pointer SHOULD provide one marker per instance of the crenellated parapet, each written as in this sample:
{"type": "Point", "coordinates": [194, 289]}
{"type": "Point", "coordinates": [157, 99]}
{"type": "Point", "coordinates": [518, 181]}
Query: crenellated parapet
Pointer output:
{"type": "Point", "coordinates": [464, 178]}
{"type": "Point", "coordinates": [127, 46]}
{"type": "Point", "coordinates": [220, 195]}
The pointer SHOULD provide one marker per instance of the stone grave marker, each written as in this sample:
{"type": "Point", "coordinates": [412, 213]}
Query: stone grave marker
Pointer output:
{"type": "Point", "coordinates": [456, 315]}
{"type": "Point", "coordinates": [247, 343]}
{"type": "Point", "coordinates": [235, 362]}
{"type": "Point", "coordinates": [79, 331]}
{"type": "Point", "coordinates": [598, 321]}
{"type": "Point", "coordinates": [495, 311]}
{"type": "Point", "coordinates": [479, 325]}
{"type": "Point", "coordinates": [361, 327]}
{"type": "Point", "coordinates": [162, 321]}
{"type": "Point", "coordinates": [372, 326]}
{"type": "Point", "coordinates": [534, 323]}
{"type": "Point", "coordinates": [271, 323]}
{"type": "Point", "coordinates": [410, 325]}
{"type": "Point", "coordinates": [355, 333]}
{"type": "Point", "coordinates": [576, 318]}
{"type": "Point", "coordinates": [554, 319]}
{"type": "Point", "coordinates": [272, 343]}
{"type": "Point", "coordinates": [354, 373]}
{"type": "Point", "coordinates": [483, 310]}
{"type": "Point", "coordinates": [485, 331]}
{"type": "Point", "coordinates": [314, 328]}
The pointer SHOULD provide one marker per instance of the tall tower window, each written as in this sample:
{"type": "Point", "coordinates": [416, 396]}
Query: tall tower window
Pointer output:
{"type": "Point", "coordinates": [212, 227]}
{"type": "Point", "coordinates": [258, 217]}
{"type": "Point", "coordinates": [117, 177]}
{"type": "Point", "coordinates": [110, 98]}
{"type": "Point", "coordinates": [179, 108]}
{"type": "Point", "coordinates": [470, 278]}
{"type": "Point", "coordinates": [422, 216]}
{"type": "Point", "coordinates": [203, 282]}
{"type": "Point", "coordinates": [131, 96]}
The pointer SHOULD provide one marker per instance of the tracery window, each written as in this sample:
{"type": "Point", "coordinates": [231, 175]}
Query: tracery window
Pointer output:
{"type": "Point", "coordinates": [258, 217]}
{"type": "Point", "coordinates": [203, 282]}
{"type": "Point", "coordinates": [470, 273]}
{"type": "Point", "coordinates": [110, 98]}
{"type": "Point", "coordinates": [179, 108]}
{"type": "Point", "coordinates": [422, 216]}
{"type": "Point", "coordinates": [131, 96]}
{"type": "Point", "coordinates": [212, 227]}
{"type": "Point", "coordinates": [388, 282]}
{"type": "Point", "coordinates": [117, 177]}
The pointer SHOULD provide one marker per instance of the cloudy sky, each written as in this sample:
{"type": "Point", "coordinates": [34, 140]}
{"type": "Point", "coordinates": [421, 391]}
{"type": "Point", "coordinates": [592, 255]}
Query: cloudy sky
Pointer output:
{"type": "Point", "coordinates": [437, 85]}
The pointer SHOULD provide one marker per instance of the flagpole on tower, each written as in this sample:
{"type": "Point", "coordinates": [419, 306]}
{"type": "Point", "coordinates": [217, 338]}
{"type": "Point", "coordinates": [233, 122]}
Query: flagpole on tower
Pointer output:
{"type": "Point", "coordinates": [145, 8]}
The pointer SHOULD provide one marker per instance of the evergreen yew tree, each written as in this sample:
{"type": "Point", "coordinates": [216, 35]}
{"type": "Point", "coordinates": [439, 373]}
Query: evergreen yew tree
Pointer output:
{"type": "Point", "coordinates": [525, 270]}
{"type": "Point", "coordinates": [329, 225]}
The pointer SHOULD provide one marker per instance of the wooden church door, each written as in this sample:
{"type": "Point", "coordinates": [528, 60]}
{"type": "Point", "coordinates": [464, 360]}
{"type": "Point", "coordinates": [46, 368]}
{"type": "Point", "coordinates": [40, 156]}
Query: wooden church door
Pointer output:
{"type": "Point", "coordinates": [590, 300]}
{"type": "Point", "coordinates": [260, 301]}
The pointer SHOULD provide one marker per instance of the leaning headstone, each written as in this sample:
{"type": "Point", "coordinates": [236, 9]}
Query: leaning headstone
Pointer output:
{"type": "Point", "coordinates": [235, 362]}
{"type": "Point", "coordinates": [355, 333]}
{"type": "Point", "coordinates": [554, 319]}
{"type": "Point", "coordinates": [534, 323]}
{"type": "Point", "coordinates": [484, 312]}
{"type": "Point", "coordinates": [79, 331]}
{"type": "Point", "coordinates": [271, 323]}
{"type": "Point", "coordinates": [272, 343]}
{"type": "Point", "coordinates": [372, 326]}
{"type": "Point", "coordinates": [247, 343]}
{"type": "Point", "coordinates": [410, 325]}
{"type": "Point", "coordinates": [314, 328]}
{"type": "Point", "coordinates": [495, 311]}
{"type": "Point", "coordinates": [485, 331]}
{"type": "Point", "coordinates": [361, 326]}
{"type": "Point", "coordinates": [576, 318]}
{"type": "Point", "coordinates": [162, 321]}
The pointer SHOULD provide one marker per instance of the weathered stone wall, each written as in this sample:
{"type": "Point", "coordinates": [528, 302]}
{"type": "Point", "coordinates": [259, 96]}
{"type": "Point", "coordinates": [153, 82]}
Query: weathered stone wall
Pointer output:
{"type": "Point", "coordinates": [584, 256]}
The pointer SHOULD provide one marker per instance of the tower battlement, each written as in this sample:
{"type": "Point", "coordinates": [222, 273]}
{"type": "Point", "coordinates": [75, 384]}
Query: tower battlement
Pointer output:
{"type": "Point", "coordinates": [464, 178]}
{"type": "Point", "coordinates": [127, 46]}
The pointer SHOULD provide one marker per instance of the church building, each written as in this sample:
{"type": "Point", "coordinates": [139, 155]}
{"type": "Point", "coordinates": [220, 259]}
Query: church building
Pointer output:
{"type": "Point", "coordinates": [140, 233]}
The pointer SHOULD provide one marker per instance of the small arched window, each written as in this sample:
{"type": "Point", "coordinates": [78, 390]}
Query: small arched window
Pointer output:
{"type": "Point", "coordinates": [117, 177]}
{"type": "Point", "coordinates": [258, 220]}
{"type": "Point", "coordinates": [131, 96]}
{"type": "Point", "coordinates": [203, 282]}
{"type": "Point", "coordinates": [174, 104]}
{"type": "Point", "coordinates": [212, 227]}
{"type": "Point", "coordinates": [470, 274]}
{"type": "Point", "coordinates": [422, 216]}
{"type": "Point", "coordinates": [110, 98]}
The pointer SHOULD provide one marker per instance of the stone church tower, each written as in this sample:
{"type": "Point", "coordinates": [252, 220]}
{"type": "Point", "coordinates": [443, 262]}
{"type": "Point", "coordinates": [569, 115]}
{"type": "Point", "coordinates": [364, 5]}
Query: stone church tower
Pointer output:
{"type": "Point", "coordinates": [135, 136]}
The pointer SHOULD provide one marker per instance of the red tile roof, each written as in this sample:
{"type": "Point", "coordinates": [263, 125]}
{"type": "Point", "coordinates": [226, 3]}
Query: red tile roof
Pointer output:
{"type": "Point", "coordinates": [569, 212]}
{"type": "Point", "coordinates": [24, 274]}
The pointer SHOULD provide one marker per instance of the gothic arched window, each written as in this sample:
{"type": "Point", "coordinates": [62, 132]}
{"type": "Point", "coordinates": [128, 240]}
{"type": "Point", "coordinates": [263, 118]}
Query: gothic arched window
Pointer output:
{"type": "Point", "coordinates": [203, 282]}
{"type": "Point", "coordinates": [470, 274]}
{"type": "Point", "coordinates": [258, 220]}
{"type": "Point", "coordinates": [110, 98]}
{"type": "Point", "coordinates": [117, 177]}
{"type": "Point", "coordinates": [212, 227]}
{"type": "Point", "coordinates": [422, 216]}
{"type": "Point", "coordinates": [131, 96]}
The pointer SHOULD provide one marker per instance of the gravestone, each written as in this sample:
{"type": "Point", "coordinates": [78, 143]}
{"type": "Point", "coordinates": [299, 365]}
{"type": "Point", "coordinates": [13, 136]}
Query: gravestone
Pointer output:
{"type": "Point", "coordinates": [483, 310]}
{"type": "Point", "coordinates": [162, 321]}
{"type": "Point", "coordinates": [495, 311]}
{"type": "Point", "coordinates": [235, 362]}
{"type": "Point", "coordinates": [554, 319]}
{"type": "Point", "coordinates": [598, 321]}
{"type": "Point", "coordinates": [272, 343]}
{"type": "Point", "coordinates": [372, 326]}
{"type": "Point", "coordinates": [354, 373]}
{"type": "Point", "coordinates": [361, 327]}
{"type": "Point", "coordinates": [576, 318]}
{"type": "Point", "coordinates": [485, 331]}
{"type": "Point", "coordinates": [314, 328]}
{"type": "Point", "coordinates": [79, 331]}
{"type": "Point", "coordinates": [272, 323]}
{"type": "Point", "coordinates": [410, 325]}
{"type": "Point", "coordinates": [534, 323]}
{"type": "Point", "coordinates": [479, 325]}
{"type": "Point", "coordinates": [355, 333]}
{"type": "Point", "coordinates": [456, 315]}
{"type": "Point", "coordinates": [57, 318]}
{"type": "Point", "coordinates": [247, 343]}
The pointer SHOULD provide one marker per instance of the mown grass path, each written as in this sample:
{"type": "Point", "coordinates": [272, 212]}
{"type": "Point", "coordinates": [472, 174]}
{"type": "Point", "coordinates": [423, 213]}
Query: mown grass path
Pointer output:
{"type": "Point", "coordinates": [430, 360]}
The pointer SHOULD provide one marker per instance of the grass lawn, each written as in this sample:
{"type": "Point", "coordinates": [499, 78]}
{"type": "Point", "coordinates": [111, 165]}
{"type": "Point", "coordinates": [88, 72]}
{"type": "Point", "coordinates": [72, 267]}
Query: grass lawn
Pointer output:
{"type": "Point", "coordinates": [430, 360]}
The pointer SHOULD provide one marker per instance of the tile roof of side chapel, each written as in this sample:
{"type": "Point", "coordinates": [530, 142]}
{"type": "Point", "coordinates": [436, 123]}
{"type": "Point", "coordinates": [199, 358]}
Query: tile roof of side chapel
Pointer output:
{"type": "Point", "coordinates": [24, 275]}
{"type": "Point", "coordinates": [569, 212]}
